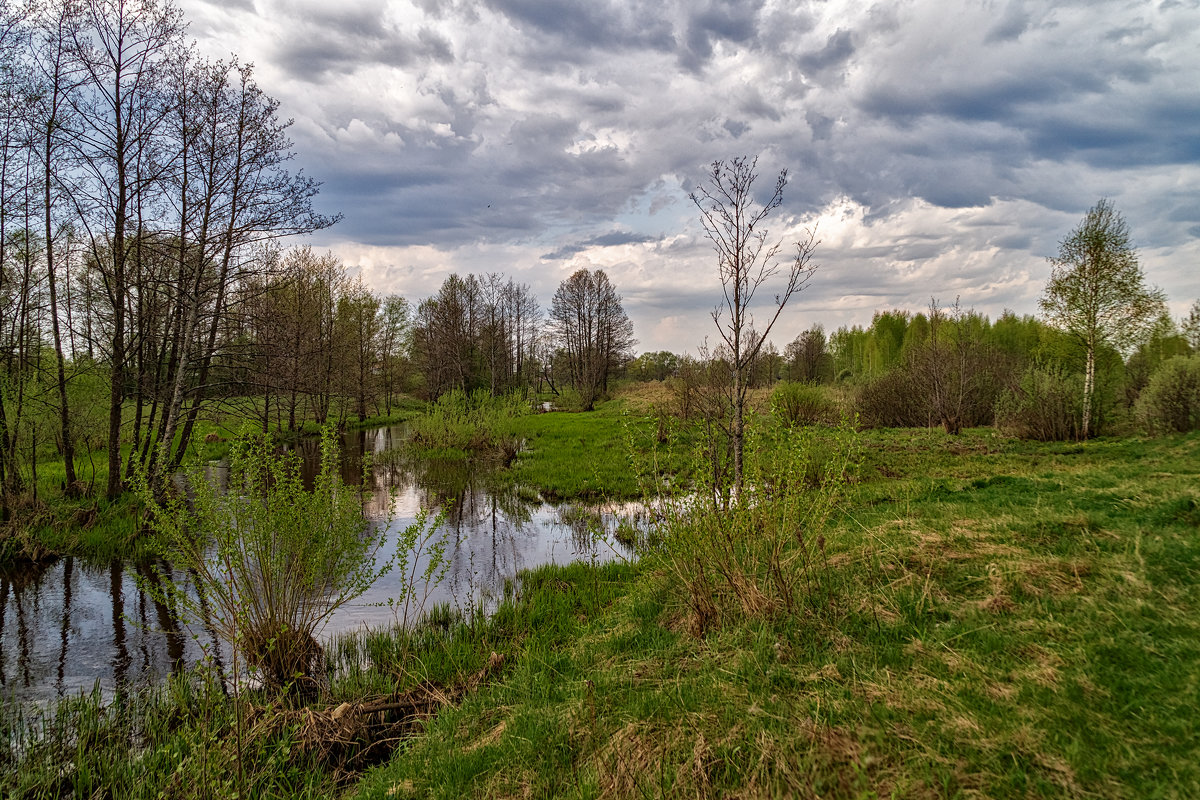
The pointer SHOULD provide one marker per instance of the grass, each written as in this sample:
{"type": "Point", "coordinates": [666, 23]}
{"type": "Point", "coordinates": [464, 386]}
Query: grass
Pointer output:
{"type": "Point", "coordinates": [1009, 620]}
{"type": "Point", "coordinates": [606, 454]}
{"type": "Point", "coordinates": [1003, 619]}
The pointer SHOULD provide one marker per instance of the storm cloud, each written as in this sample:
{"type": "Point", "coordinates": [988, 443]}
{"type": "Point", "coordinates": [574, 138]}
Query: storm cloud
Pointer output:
{"type": "Point", "coordinates": [941, 150]}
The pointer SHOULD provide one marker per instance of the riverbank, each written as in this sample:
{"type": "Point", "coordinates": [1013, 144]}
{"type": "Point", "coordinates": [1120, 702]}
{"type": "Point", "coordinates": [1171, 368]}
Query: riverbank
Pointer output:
{"type": "Point", "coordinates": [1004, 620]}
{"type": "Point", "coordinates": [48, 525]}
{"type": "Point", "coordinates": [995, 618]}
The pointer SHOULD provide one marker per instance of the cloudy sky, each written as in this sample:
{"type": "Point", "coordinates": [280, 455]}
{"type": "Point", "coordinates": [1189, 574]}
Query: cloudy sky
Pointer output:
{"type": "Point", "coordinates": [941, 148]}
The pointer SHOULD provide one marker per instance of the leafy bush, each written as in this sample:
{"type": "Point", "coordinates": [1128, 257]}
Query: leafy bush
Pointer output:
{"type": "Point", "coordinates": [271, 560]}
{"type": "Point", "coordinates": [1171, 400]}
{"type": "Point", "coordinates": [762, 553]}
{"type": "Point", "coordinates": [1045, 406]}
{"type": "Point", "coordinates": [802, 404]}
{"type": "Point", "coordinates": [893, 400]}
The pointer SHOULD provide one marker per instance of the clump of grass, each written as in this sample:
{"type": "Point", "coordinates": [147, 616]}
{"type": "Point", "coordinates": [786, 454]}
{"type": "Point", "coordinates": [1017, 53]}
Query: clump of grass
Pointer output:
{"type": "Point", "coordinates": [174, 740]}
{"type": "Point", "coordinates": [475, 422]}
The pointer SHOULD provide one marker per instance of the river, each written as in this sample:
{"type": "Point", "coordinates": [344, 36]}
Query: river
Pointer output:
{"type": "Point", "coordinates": [72, 624]}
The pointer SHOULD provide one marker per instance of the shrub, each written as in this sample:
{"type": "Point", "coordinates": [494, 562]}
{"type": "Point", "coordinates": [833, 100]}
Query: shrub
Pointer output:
{"type": "Point", "coordinates": [271, 560]}
{"type": "Point", "coordinates": [762, 553]}
{"type": "Point", "coordinates": [802, 404]}
{"type": "Point", "coordinates": [476, 421]}
{"type": "Point", "coordinates": [1171, 400]}
{"type": "Point", "coordinates": [893, 400]}
{"type": "Point", "coordinates": [1045, 406]}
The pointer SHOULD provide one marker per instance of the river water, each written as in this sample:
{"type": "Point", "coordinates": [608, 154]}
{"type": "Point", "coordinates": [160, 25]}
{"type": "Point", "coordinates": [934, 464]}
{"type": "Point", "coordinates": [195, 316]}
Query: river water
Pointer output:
{"type": "Point", "coordinates": [72, 624]}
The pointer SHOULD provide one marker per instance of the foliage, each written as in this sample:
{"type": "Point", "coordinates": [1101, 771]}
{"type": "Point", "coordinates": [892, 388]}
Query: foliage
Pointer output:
{"type": "Point", "coordinates": [1043, 406]}
{"type": "Point", "coordinates": [892, 400]}
{"type": "Point", "coordinates": [796, 404]}
{"type": "Point", "coordinates": [806, 358]}
{"type": "Point", "coordinates": [1190, 326]}
{"type": "Point", "coordinates": [1171, 400]}
{"type": "Point", "coordinates": [475, 422]}
{"type": "Point", "coordinates": [271, 559]}
{"type": "Point", "coordinates": [763, 554]}
{"type": "Point", "coordinates": [1097, 293]}
{"type": "Point", "coordinates": [174, 740]}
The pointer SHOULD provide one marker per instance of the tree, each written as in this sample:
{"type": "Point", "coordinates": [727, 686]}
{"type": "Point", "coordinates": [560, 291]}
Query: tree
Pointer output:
{"type": "Point", "coordinates": [1097, 293]}
{"type": "Point", "coordinates": [807, 359]}
{"type": "Point", "coordinates": [1190, 325]}
{"type": "Point", "coordinates": [124, 46]}
{"type": "Point", "coordinates": [592, 330]}
{"type": "Point", "coordinates": [745, 262]}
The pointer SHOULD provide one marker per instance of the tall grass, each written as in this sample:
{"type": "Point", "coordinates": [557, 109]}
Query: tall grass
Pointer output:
{"type": "Point", "coordinates": [475, 423]}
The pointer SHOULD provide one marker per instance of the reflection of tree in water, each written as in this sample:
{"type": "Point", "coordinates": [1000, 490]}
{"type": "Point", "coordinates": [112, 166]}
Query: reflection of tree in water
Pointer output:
{"type": "Point", "coordinates": [485, 521]}
{"type": "Point", "coordinates": [65, 625]}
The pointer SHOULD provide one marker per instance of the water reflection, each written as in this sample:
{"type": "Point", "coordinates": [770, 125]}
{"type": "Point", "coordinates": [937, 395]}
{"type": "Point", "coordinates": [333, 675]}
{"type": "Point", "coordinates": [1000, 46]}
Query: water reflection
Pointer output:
{"type": "Point", "coordinates": [65, 626]}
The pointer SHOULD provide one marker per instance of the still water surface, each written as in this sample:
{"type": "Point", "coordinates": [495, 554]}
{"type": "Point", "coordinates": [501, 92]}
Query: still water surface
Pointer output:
{"type": "Point", "coordinates": [71, 624]}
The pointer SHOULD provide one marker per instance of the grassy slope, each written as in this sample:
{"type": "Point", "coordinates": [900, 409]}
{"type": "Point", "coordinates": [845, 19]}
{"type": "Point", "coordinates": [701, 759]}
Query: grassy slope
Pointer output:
{"type": "Point", "coordinates": [1013, 620]}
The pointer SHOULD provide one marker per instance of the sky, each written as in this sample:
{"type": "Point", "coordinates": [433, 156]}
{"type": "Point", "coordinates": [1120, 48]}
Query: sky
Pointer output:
{"type": "Point", "coordinates": [942, 150]}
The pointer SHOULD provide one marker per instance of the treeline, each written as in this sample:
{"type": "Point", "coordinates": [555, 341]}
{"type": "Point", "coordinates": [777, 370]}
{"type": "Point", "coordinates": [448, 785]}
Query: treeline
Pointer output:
{"type": "Point", "coordinates": [957, 368]}
{"type": "Point", "coordinates": [143, 200]}
{"type": "Point", "coordinates": [490, 333]}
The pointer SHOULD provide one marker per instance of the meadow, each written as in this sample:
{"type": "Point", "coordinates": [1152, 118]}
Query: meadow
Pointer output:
{"type": "Point", "coordinates": [961, 616]}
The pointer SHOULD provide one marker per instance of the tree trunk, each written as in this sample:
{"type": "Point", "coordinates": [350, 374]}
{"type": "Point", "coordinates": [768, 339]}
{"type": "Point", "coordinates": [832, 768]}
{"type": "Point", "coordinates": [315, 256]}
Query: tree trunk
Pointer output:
{"type": "Point", "coordinates": [1089, 389]}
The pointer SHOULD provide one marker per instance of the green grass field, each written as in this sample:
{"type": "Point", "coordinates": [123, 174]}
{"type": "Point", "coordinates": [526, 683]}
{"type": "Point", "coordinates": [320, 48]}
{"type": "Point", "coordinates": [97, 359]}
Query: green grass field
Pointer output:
{"type": "Point", "coordinates": [1007, 620]}
{"type": "Point", "coordinates": [992, 619]}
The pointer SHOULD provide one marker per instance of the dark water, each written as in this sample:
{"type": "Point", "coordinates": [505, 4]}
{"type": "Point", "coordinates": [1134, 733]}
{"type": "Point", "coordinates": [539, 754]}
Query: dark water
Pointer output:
{"type": "Point", "coordinates": [66, 626]}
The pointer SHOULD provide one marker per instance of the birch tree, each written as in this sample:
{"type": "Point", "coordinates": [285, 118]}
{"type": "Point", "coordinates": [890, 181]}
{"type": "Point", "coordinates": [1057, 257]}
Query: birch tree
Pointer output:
{"type": "Point", "coordinates": [1097, 293]}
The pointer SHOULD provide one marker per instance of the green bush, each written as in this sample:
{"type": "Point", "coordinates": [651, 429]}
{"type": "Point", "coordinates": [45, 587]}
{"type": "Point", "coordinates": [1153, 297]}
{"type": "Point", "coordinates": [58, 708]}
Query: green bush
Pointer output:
{"type": "Point", "coordinates": [893, 400]}
{"type": "Point", "coordinates": [1045, 406]}
{"type": "Point", "coordinates": [762, 553]}
{"type": "Point", "coordinates": [1171, 400]}
{"type": "Point", "coordinates": [473, 422]}
{"type": "Point", "coordinates": [796, 404]}
{"type": "Point", "coordinates": [271, 559]}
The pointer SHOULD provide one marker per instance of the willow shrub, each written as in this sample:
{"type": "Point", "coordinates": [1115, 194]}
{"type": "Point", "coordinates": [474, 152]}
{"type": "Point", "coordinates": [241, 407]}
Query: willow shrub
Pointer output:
{"type": "Point", "coordinates": [1046, 406]}
{"type": "Point", "coordinates": [271, 559]}
{"type": "Point", "coordinates": [802, 404]}
{"type": "Point", "coordinates": [1171, 400]}
{"type": "Point", "coordinates": [763, 553]}
{"type": "Point", "coordinates": [472, 422]}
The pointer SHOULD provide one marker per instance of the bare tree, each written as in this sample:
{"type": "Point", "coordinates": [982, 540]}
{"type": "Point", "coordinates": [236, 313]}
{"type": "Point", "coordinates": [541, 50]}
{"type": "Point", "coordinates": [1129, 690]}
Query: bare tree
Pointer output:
{"type": "Point", "coordinates": [593, 330]}
{"type": "Point", "coordinates": [954, 369]}
{"type": "Point", "coordinates": [733, 222]}
{"type": "Point", "coordinates": [58, 77]}
{"type": "Point", "coordinates": [1097, 293]}
{"type": "Point", "coordinates": [123, 46]}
